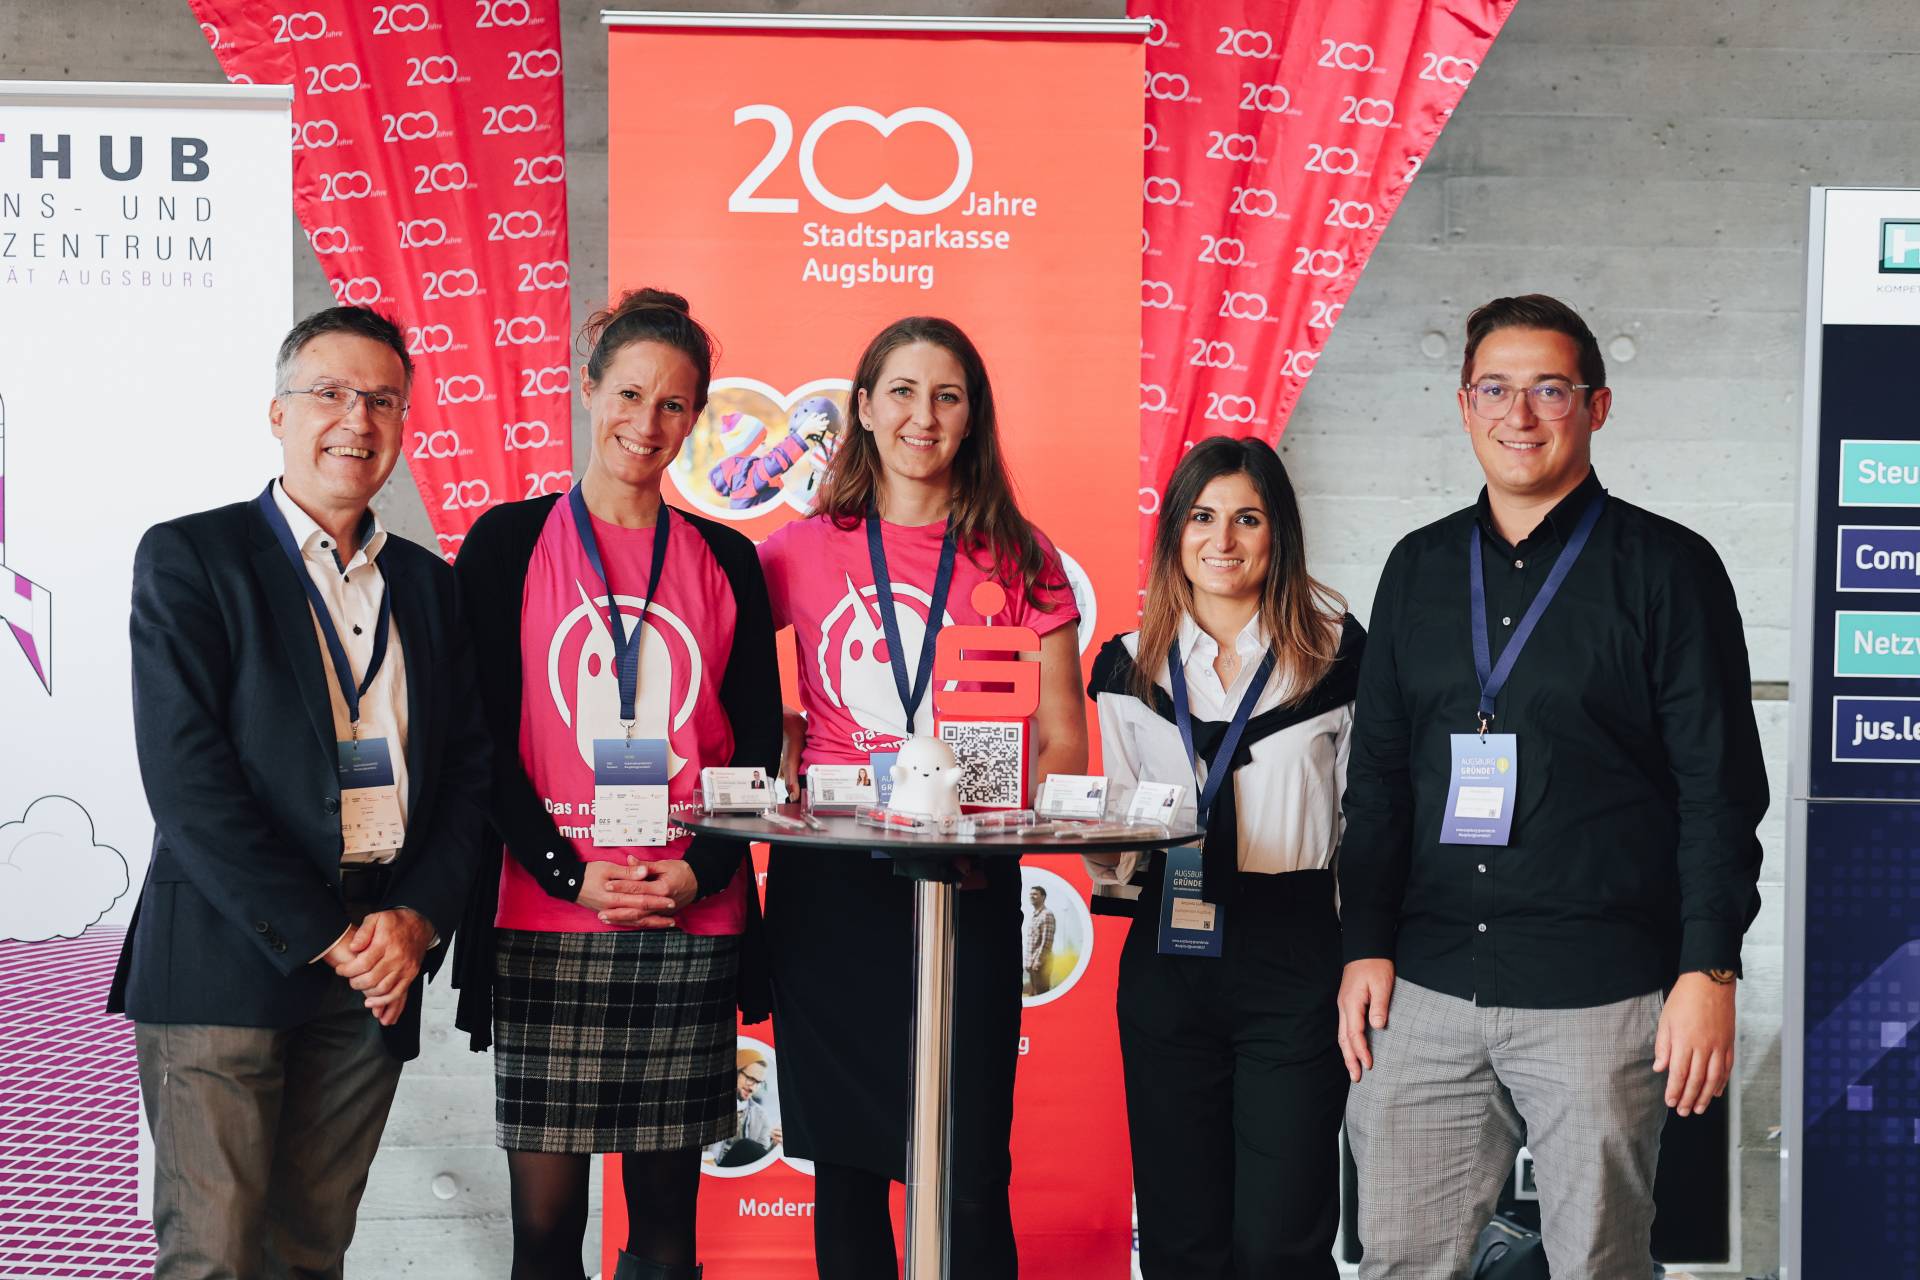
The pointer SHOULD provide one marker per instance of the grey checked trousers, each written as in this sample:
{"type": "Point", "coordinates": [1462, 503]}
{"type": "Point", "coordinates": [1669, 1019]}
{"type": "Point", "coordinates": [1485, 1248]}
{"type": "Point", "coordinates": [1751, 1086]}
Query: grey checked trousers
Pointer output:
{"type": "Point", "coordinates": [1454, 1091]}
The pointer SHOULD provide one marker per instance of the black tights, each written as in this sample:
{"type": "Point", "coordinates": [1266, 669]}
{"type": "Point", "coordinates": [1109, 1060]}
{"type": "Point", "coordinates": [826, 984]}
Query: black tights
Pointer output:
{"type": "Point", "coordinates": [550, 1209]}
{"type": "Point", "coordinates": [853, 1230]}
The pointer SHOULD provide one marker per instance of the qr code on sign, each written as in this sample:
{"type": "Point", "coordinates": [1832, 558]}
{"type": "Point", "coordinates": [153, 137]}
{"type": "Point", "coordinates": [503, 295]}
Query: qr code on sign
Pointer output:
{"type": "Point", "coordinates": [990, 755]}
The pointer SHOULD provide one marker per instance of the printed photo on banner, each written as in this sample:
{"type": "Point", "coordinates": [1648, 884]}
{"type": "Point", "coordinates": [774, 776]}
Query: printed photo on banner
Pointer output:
{"type": "Point", "coordinates": [1083, 599]}
{"type": "Point", "coordinates": [1056, 936]}
{"type": "Point", "coordinates": [755, 1141]}
{"type": "Point", "coordinates": [756, 448]}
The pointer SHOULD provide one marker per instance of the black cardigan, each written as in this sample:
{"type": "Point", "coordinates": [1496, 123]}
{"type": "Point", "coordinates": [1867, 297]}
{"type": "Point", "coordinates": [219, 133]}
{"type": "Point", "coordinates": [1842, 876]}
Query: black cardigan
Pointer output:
{"type": "Point", "coordinates": [492, 574]}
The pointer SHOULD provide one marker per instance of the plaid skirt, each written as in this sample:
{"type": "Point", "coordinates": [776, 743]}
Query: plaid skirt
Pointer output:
{"type": "Point", "coordinates": [613, 1041]}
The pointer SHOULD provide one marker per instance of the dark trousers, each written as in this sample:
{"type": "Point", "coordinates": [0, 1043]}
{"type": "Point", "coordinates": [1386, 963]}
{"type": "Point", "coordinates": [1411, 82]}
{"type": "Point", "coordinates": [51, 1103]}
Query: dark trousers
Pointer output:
{"type": "Point", "coordinates": [1235, 1087]}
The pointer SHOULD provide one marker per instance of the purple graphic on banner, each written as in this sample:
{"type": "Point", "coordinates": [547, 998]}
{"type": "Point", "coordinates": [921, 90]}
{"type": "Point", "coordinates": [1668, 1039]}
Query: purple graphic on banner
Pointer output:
{"type": "Point", "coordinates": [69, 1116]}
{"type": "Point", "coordinates": [25, 607]}
{"type": "Point", "coordinates": [1879, 557]}
{"type": "Point", "coordinates": [1871, 1022]}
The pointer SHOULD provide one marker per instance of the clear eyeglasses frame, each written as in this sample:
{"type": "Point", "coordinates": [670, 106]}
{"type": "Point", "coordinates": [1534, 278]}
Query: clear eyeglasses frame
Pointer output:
{"type": "Point", "coordinates": [337, 400]}
{"type": "Point", "coordinates": [1551, 399]}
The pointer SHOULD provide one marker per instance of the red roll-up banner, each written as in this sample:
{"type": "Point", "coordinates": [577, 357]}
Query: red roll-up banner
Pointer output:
{"type": "Point", "coordinates": [1280, 139]}
{"type": "Point", "coordinates": [829, 176]}
{"type": "Point", "coordinates": [429, 169]}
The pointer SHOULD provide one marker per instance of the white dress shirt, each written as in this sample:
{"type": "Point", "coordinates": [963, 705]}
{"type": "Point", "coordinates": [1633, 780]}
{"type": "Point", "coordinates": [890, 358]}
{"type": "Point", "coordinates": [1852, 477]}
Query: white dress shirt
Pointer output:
{"type": "Point", "coordinates": [352, 594]}
{"type": "Point", "coordinates": [1287, 796]}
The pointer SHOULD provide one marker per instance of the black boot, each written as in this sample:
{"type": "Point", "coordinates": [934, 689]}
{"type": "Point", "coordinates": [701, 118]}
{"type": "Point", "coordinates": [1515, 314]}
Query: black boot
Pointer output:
{"type": "Point", "coordinates": [632, 1268]}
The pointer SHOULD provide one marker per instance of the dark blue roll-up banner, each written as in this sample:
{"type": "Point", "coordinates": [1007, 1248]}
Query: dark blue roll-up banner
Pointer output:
{"type": "Point", "coordinates": [1851, 1044]}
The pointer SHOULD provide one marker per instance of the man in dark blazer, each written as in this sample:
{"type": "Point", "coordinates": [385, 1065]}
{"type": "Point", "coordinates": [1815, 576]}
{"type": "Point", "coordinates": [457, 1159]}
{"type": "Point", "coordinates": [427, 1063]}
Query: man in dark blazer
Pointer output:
{"type": "Point", "coordinates": [312, 748]}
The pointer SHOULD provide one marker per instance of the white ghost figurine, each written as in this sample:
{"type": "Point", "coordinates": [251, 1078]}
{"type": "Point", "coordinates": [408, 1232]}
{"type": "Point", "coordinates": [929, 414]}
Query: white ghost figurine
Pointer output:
{"type": "Point", "coordinates": [926, 780]}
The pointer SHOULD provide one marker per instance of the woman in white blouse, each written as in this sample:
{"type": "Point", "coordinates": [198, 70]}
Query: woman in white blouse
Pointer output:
{"type": "Point", "coordinates": [1235, 1087]}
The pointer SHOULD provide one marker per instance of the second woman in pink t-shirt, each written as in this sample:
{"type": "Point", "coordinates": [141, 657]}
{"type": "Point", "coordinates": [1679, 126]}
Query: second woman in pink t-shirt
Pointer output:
{"type": "Point", "coordinates": [623, 647]}
{"type": "Point", "coordinates": [922, 470]}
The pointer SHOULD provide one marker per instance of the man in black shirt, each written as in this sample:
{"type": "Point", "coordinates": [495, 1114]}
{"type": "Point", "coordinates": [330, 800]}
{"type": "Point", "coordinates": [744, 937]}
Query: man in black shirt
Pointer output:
{"type": "Point", "coordinates": [1549, 859]}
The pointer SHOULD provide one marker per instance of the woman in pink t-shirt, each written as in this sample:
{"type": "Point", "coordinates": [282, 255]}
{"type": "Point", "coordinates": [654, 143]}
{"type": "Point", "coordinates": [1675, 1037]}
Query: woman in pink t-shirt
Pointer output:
{"type": "Point", "coordinates": [923, 471]}
{"type": "Point", "coordinates": [616, 634]}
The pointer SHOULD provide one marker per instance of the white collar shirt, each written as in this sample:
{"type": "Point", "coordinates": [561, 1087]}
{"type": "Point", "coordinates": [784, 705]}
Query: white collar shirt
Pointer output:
{"type": "Point", "coordinates": [352, 594]}
{"type": "Point", "coordinates": [1287, 797]}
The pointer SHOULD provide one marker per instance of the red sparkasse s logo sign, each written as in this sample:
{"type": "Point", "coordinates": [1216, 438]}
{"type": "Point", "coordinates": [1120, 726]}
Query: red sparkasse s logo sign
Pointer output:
{"type": "Point", "coordinates": [429, 172]}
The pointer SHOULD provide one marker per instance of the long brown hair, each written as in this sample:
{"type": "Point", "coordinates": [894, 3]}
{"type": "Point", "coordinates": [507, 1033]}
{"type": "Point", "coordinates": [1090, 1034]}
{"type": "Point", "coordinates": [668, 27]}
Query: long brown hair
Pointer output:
{"type": "Point", "coordinates": [984, 517]}
{"type": "Point", "coordinates": [1300, 615]}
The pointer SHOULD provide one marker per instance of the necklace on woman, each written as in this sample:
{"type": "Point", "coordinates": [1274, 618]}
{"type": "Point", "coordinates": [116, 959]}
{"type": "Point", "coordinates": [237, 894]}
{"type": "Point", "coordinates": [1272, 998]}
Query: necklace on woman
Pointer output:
{"type": "Point", "coordinates": [1227, 666]}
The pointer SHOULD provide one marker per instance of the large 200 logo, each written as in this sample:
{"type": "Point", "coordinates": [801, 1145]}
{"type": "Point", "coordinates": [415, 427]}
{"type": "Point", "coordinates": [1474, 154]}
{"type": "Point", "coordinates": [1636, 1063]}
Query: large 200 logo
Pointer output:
{"type": "Point", "coordinates": [743, 199]}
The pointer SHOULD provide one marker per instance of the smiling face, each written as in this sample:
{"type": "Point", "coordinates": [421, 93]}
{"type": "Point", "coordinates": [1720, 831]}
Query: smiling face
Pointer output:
{"type": "Point", "coordinates": [1524, 458]}
{"type": "Point", "coordinates": [918, 412]}
{"type": "Point", "coordinates": [331, 462]}
{"type": "Point", "coordinates": [1227, 542]}
{"type": "Point", "coordinates": [641, 409]}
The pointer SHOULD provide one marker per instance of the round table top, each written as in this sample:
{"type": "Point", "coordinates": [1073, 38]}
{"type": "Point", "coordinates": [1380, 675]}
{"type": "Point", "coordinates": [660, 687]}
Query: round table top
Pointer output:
{"type": "Point", "coordinates": [841, 831]}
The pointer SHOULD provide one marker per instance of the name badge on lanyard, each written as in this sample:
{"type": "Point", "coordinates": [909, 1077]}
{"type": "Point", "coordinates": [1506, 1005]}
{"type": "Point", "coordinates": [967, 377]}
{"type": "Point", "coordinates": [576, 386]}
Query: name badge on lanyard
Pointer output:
{"type": "Point", "coordinates": [1484, 777]}
{"type": "Point", "coordinates": [911, 695]}
{"type": "Point", "coordinates": [370, 820]}
{"type": "Point", "coordinates": [369, 800]}
{"type": "Point", "coordinates": [1190, 925]}
{"type": "Point", "coordinates": [629, 773]}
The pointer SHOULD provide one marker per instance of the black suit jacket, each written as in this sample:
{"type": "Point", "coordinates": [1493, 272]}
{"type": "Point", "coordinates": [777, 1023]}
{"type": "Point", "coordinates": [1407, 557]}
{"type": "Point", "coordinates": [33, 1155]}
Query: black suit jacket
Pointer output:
{"type": "Point", "coordinates": [236, 743]}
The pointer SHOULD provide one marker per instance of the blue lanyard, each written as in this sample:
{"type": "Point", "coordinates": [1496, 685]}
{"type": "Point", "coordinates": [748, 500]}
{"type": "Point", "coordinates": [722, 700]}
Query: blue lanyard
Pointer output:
{"type": "Point", "coordinates": [350, 691]}
{"type": "Point", "coordinates": [1494, 678]}
{"type": "Point", "coordinates": [910, 697]}
{"type": "Point", "coordinates": [1217, 773]}
{"type": "Point", "coordinates": [626, 649]}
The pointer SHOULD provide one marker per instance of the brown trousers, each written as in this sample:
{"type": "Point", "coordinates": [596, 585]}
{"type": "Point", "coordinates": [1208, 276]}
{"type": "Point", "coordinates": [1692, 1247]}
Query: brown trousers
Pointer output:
{"type": "Point", "coordinates": [262, 1140]}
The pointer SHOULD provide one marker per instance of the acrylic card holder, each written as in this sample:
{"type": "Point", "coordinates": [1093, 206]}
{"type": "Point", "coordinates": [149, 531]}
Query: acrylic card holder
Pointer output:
{"type": "Point", "coordinates": [735, 790]}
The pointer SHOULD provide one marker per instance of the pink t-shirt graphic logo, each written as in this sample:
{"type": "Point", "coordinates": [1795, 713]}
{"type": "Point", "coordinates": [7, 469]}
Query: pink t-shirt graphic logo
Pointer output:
{"type": "Point", "coordinates": [856, 672]}
{"type": "Point", "coordinates": [670, 675]}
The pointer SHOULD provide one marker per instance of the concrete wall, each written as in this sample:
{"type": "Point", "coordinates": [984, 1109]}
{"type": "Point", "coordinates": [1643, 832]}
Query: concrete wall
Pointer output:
{"type": "Point", "coordinates": [1646, 160]}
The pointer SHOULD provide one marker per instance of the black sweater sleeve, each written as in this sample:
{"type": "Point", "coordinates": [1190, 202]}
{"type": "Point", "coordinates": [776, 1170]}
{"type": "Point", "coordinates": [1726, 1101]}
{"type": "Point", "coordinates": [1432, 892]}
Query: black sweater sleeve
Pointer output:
{"type": "Point", "coordinates": [749, 692]}
{"type": "Point", "coordinates": [492, 572]}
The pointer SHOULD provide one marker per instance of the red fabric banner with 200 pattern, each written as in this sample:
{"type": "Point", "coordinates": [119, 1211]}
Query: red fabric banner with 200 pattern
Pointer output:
{"type": "Point", "coordinates": [1280, 139]}
{"type": "Point", "coordinates": [430, 174]}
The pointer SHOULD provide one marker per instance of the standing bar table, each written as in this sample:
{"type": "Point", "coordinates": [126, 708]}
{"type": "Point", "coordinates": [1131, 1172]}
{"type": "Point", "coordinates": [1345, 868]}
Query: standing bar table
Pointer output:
{"type": "Point", "coordinates": [927, 859]}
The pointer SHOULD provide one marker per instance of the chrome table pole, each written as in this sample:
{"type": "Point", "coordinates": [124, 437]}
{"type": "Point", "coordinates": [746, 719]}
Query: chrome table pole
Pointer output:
{"type": "Point", "coordinates": [929, 1116]}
